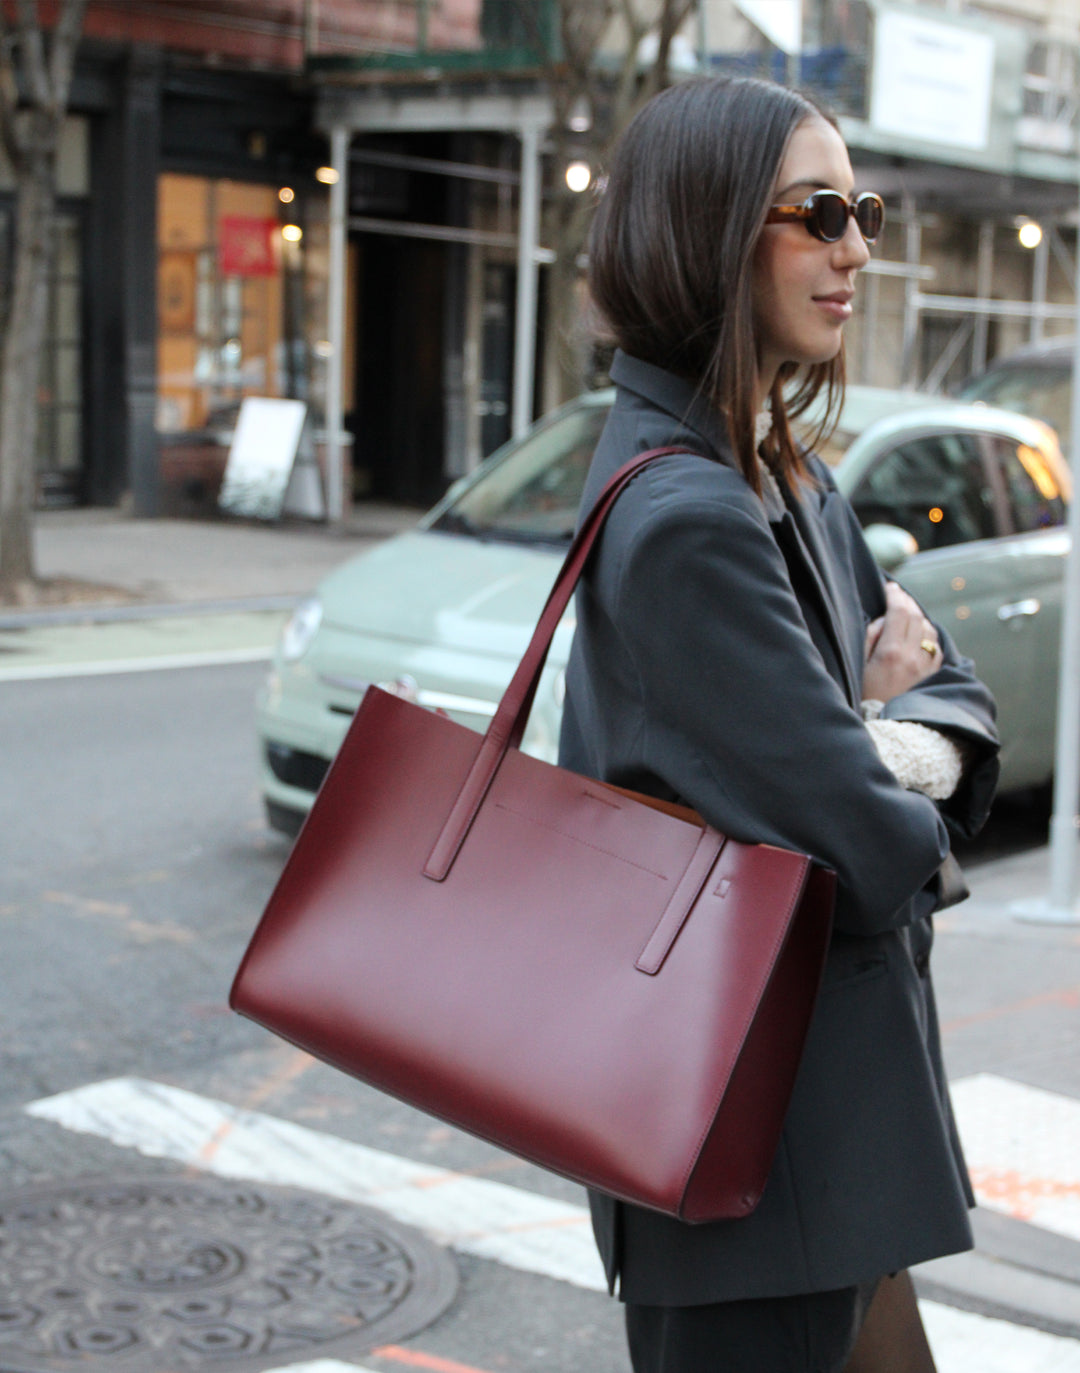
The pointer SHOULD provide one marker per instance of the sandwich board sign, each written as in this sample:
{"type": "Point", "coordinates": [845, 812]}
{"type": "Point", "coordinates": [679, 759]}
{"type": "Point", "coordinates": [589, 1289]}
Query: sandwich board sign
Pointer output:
{"type": "Point", "coordinates": [263, 458]}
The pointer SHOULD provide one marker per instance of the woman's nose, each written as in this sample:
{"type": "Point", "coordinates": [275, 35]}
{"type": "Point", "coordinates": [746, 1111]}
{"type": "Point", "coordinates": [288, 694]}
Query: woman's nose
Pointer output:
{"type": "Point", "coordinates": [852, 250]}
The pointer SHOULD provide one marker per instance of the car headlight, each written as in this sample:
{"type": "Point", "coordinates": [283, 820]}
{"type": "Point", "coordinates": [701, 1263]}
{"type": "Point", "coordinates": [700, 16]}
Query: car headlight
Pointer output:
{"type": "Point", "coordinates": [300, 628]}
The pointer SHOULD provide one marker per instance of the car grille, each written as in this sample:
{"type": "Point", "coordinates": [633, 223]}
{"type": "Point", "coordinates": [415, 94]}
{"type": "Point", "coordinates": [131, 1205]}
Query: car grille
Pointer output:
{"type": "Point", "coordinates": [296, 768]}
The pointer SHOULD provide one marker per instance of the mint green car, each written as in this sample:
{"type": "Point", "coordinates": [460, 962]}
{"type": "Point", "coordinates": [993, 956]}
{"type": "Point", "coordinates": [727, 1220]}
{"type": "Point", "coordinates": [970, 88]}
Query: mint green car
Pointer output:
{"type": "Point", "coordinates": [963, 504]}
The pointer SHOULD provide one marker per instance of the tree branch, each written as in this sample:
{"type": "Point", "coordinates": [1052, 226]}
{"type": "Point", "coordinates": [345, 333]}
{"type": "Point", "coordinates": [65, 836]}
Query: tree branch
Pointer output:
{"type": "Point", "coordinates": [65, 41]}
{"type": "Point", "coordinates": [673, 15]}
{"type": "Point", "coordinates": [32, 53]}
{"type": "Point", "coordinates": [626, 97]}
{"type": "Point", "coordinates": [9, 92]}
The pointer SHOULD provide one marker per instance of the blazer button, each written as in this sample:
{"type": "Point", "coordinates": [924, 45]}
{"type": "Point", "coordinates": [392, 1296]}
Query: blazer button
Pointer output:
{"type": "Point", "coordinates": [922, 964]}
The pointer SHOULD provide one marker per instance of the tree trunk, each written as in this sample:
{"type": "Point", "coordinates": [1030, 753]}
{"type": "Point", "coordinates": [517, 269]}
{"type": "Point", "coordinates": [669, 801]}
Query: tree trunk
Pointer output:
{"type": "Point", "coordinates": [561, 381]}
{"type": "Point", "coordinates": [20, 367]}
{"type": "Point", "coordinates": [612, 100]}
{"type": "Point", "coordinates": [568, 338]}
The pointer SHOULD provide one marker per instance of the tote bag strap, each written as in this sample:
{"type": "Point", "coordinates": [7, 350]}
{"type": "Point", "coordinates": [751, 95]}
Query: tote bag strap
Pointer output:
{"type": "Point", "coordinates": [508, 723]}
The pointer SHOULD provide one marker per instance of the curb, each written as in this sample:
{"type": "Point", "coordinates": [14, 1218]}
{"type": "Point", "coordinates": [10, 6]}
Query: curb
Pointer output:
{"type": "Point", "coordinates": [91, 613]}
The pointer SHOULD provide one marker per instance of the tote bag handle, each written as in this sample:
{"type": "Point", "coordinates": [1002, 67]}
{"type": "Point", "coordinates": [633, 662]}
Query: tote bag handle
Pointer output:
{"type": "Point", "coordinates": [508, 723]}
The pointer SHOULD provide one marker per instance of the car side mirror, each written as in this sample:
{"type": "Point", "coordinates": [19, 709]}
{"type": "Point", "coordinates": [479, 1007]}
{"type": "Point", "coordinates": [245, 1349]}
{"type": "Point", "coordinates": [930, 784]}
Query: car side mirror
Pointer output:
{"type": "Point", "coordinates": [890, 545]}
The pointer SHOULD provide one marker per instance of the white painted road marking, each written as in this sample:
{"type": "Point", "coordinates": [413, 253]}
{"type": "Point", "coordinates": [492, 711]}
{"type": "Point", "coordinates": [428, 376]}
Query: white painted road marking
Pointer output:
{"type": "Point", "coordinates": [185, 639]}
{"type": "Point", "coordinates": [477, 1216]}
{"type": "Point", "coordinates": [324, 1366]}
{"type": "Point", "coordinates": [965, 1343]}
{"type": "Point", "coordinates": [520, 1229]}
{"type": "Point", "coordinates": [1023, 1150]}
{"type": "Point", "coordinates": [214, 658]}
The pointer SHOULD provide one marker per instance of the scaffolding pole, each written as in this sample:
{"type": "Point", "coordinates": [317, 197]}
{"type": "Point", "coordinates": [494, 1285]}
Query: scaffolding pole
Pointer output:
{"type": "Point", "coordinates": [525, 317]}
{"type": "Point", "coordinates": [912, 258]}
{"type": "Point", "coordinates": [984, 283]}
{"type": "Point", "coordinates": [335, 327]}
{"type": "Point", "coordinates": [1059, 908]}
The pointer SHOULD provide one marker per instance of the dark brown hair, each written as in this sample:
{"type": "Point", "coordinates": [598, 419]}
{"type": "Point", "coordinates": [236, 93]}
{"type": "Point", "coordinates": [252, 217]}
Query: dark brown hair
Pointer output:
{"type": "Point", "coordinates": [672, 246]}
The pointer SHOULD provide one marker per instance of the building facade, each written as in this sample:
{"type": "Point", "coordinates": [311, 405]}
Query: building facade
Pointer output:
{"type": "Point", "coordinates": [342, 201]}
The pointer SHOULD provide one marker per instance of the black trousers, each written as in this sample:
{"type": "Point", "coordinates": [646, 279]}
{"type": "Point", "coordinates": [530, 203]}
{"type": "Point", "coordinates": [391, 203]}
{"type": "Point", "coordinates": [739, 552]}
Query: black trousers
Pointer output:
{"type": "Point", "coordinates": [814, 1333]}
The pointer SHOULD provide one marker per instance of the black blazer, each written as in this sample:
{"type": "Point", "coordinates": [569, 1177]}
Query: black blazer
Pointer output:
{"type": "Point", "coordinates": [718, 661]}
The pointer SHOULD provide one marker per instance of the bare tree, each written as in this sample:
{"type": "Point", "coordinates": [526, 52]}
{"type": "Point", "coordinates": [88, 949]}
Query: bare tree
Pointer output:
{"type": "Point", "coordinates": [35, 78]}
{"type": "Point", "coordinates": [600, 85]}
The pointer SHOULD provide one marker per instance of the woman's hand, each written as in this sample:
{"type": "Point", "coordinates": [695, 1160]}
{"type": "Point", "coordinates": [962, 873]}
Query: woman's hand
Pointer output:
{"type": "Point", "coordinates": [898, 647]}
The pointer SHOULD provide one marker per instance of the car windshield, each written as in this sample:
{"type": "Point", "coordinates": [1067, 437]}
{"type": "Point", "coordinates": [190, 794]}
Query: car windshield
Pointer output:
{"type": "Point", "coordinates": [531, 493]}
{"type": "Point", "coordinates": [1042, 390]}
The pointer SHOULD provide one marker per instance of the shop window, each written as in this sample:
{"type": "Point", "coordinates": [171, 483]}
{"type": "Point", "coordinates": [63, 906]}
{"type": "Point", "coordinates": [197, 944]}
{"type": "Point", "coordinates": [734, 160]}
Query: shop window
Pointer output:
{"type": "Point", "coordinates": [230, 318]}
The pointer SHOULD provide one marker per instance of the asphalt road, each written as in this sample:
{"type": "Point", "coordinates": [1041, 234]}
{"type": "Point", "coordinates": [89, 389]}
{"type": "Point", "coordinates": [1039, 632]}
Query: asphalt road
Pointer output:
{"type": "Point", "coordinates": [136, 862]}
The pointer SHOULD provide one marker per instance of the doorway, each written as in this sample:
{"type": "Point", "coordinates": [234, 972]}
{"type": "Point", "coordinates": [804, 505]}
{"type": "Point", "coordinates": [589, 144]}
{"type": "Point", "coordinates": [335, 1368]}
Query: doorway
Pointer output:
{"type": "Point", "coordinates": [399, 418]}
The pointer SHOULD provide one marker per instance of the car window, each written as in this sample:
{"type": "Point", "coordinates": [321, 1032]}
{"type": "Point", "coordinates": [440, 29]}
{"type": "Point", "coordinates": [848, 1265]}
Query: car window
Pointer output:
{"type": "Point", "coordinates": [1035, 498]}
{"type": "Point", "coordinates": [1043, 391]}
{"type": "Point", "coordinates": [532, 493]}
{"type": "Point", "coordinates": [935, 487]}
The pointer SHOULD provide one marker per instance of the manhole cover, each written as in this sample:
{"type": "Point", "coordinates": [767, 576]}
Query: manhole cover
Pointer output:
{"type": "Point", "coordinates": [144, 1277]}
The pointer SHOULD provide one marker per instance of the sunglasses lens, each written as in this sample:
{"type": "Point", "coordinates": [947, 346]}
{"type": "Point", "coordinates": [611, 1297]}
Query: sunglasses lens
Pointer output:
{"type": "Point", "coordinates": [869, 216]}
{"type": "Point", "coordinates": [830, 216]}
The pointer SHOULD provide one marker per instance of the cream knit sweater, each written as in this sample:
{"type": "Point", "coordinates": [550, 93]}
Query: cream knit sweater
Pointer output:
{"type": "Point", "coordinates": [920, 759]}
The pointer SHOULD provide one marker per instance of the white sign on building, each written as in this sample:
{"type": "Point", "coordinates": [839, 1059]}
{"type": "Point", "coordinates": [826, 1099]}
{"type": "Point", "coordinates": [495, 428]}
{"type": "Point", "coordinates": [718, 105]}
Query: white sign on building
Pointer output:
{"type": "Point", "coordinates": [932, 81]}
{"type": "Point", "coordinates": [779, 20]}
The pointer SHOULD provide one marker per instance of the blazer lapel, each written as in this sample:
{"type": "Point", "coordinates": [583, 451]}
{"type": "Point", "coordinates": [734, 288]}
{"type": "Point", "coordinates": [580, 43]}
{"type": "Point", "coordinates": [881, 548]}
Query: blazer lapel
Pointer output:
{"type": "Point", "coordinates": [805, 551]}
{"type": "Point", "coordinates": [808, 562]}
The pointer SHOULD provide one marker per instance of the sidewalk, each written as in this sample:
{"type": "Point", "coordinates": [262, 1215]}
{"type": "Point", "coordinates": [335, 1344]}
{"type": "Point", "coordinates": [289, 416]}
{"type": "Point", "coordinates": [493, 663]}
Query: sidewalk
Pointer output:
{"type": "Point", "coordinates": [1008, 993]}
{"type": "Point", "coordinates": [167, 562]}
{"type": "Point", "coordinates": [1026, 1268]}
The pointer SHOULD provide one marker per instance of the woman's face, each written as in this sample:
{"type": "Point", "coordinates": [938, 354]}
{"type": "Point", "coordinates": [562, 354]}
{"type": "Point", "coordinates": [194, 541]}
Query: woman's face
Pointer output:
{"type": "Point", "coordinates": [802, 288]}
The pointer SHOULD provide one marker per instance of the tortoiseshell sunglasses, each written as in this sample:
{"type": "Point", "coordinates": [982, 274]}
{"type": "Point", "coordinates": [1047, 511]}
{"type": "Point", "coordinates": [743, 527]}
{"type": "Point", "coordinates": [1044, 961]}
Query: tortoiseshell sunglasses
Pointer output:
{"type": "Point", "coordinates": [826, 215]}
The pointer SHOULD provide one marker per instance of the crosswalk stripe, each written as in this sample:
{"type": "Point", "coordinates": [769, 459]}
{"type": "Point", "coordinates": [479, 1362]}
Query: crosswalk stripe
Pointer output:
{"type": "Point", "coordinates": [474, 1215]}
{"type": "Point", "coordinates": [522, 1230]}
{"type": "Point", "coordinates": [966, 1343]}
{"type": "Point", "coordinates": [1023, 1150]}
{"type": "Point", "coordinates": [324, 1366]}
{"type": "Point", "coordinates": [411, 1358]}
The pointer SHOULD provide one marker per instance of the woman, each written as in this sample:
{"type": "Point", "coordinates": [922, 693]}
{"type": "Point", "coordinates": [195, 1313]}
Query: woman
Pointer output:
{"type": "Point", "coordinates": [735, 642]}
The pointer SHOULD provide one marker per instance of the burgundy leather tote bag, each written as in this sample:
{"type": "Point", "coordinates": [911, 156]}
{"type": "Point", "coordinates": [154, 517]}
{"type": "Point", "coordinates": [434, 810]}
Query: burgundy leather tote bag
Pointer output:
{"type": "Point", "coordinates": [600, 983]}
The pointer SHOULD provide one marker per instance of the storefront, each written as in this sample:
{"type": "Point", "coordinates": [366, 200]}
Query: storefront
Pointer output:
{"type": "Point", "coordinates": [187, 268]}
{"type": "Point", "coordinates": [239, 296]}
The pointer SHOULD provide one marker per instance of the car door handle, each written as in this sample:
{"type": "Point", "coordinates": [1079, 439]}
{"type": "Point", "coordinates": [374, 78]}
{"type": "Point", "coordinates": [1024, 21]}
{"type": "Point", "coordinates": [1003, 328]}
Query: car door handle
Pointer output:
{"type": "Point", "coordinates": [1031, 606]}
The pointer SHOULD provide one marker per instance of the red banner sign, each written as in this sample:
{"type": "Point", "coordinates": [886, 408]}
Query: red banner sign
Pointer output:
{"type": "Point", "coordinates": [246, 246]}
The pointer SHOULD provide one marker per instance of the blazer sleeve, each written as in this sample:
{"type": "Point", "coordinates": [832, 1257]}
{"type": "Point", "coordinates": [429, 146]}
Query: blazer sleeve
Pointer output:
{"type": "Point", "coordinates": [952, 700]}
{"type": "Point", "coordinates": [740, 716]}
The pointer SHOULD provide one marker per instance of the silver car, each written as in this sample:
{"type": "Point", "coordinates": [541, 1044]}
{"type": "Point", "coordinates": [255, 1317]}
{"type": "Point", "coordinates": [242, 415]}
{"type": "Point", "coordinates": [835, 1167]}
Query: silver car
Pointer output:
{"type": "Point", "coordinates": [964, 504]}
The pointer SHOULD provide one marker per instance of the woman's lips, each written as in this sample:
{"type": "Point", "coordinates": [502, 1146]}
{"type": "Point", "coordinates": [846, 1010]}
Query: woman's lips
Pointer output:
{"type": "Point", "coordinates": [837, 306]}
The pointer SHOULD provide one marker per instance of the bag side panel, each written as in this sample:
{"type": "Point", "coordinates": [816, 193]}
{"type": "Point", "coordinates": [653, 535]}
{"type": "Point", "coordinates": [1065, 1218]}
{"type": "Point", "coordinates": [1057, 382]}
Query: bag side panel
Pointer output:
{"type": "Point", "coordinates": [737, 1155]}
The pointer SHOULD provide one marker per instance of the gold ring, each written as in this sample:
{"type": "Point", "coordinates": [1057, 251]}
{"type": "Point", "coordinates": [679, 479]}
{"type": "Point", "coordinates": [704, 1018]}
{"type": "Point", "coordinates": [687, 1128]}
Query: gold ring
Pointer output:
{"type": "Point", "coordinates": [928, 646]}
